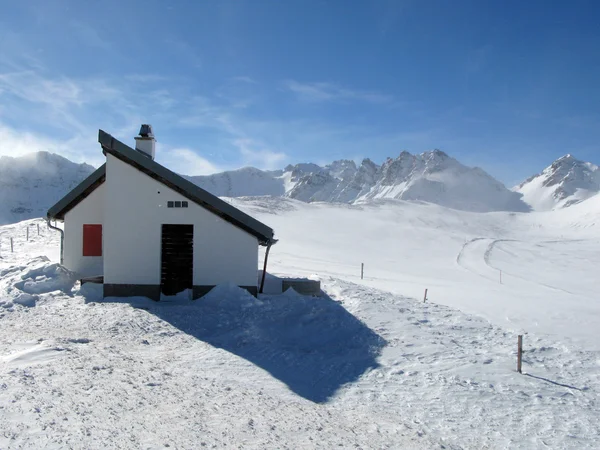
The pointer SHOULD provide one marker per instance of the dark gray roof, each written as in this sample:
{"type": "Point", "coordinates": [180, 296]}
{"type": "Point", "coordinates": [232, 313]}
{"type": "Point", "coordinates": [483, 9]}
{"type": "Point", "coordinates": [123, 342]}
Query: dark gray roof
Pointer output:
{"type": "Point", "coordinates": [81, 191]}
{"type": "Point", "coordinates": [110, 145]}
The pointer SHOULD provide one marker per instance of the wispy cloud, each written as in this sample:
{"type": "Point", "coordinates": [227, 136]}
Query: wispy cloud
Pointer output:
{"type": "Point", "coordinates": [90, 35]}
{"type": "Point", "coordinates": [323, 91]}
{"type": "Point", "coordinates": [16, 142]}
{"type": "Point", "coordinates": [226, 127]}
{"type": "Point", "coordinates": [185, 51]}
{"type": "Point", "coordinates": [243, 79]}
{"type": "Point", "coordinates": [257, 155]}
{"type": "Point", "coordinates": [186, 161]}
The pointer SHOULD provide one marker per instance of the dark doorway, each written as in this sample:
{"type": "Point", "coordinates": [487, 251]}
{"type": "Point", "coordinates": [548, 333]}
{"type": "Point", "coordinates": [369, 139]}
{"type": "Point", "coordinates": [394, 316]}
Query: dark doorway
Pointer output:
{"type": "Point", "coordinates": [177, 258]}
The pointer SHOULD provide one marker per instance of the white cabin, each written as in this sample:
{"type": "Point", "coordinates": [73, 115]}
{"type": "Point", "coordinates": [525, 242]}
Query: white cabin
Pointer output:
{"type": "Point", "coordinates": [144, 230]}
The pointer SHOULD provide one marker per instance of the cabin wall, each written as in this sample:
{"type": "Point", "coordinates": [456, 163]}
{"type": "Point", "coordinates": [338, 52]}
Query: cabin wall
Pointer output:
{"type": "Point", "coordinates": [89, 211]}
{"type": "Point", "coordinates": [136, 208]}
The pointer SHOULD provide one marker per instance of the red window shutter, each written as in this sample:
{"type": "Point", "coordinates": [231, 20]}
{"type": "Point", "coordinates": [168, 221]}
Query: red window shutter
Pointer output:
{"type": "Point", "coordinates": [92, 240]}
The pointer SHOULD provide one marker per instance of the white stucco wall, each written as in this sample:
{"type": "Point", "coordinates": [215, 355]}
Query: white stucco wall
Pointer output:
{"type": "Point", "coordinates": [136, 207]}
{"type": "Point", "coordinates": [88, 211]}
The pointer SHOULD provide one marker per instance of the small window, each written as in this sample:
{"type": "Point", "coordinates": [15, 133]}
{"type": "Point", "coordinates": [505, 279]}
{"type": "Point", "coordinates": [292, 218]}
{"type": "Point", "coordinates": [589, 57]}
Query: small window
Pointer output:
{"type": "Point", "coordinates": [177, 204]}
{"type": "Point", "coordinates": [184, 204]}
{"type": "Point", "coordinates": [170, 204]}
{"type": "Point", "coordinates": [92, 240]}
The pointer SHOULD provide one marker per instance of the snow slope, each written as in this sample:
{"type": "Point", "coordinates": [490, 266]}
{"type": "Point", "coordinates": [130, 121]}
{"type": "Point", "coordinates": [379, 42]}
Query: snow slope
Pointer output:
{"type": "Point", "coordinates": [457, 255]}
{"type": "Point", "coordinates": [358, 368]}
{"type": "Point", "coordinates": [30, 184]}
{"type": "Point", "coordinates": [565, 182]}
{"type": "Point", "coordinates": [367, 366]}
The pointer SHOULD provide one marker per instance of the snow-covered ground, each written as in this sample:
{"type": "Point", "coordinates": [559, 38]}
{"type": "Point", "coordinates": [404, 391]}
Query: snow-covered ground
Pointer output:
{"type": "Point", "coordinates": [367, 366]}
{"type": "Point", "coordinates": [548, 260]}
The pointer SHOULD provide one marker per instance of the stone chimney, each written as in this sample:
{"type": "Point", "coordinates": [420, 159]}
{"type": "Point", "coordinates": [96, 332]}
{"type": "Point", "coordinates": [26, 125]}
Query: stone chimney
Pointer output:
{"type": "Point", "coordinates": [145, 142]}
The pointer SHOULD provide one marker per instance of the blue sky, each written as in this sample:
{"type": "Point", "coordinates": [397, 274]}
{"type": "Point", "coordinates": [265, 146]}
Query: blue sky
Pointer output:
{"type": "Point", "coordinates": [508, 85]}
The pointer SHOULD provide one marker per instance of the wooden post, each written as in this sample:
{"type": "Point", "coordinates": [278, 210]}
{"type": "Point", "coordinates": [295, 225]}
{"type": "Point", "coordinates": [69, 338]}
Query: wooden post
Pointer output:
{"type": "Point", "coordinates": [519, 352]}
{"type": "Point", "coordinates": [38, 227]}
{"type": "Point", "coordinates": [11, 245]}
{"type": "Point", "coordinates": [425, 296]}
{"type": "Point", "coordinates": [28, 233]}
{"type": "Point", "coordinates": [362, 270]}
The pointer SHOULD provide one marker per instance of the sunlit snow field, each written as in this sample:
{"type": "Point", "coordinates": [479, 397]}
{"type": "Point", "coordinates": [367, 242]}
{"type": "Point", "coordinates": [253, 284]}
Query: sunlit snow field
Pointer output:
{"type": "Point", "coordinates": [367, 366]}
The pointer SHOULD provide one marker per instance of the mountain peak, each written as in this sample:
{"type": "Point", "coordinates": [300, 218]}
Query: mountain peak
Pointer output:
{"type": "Point", "coordinates": [566, 159]}
{"type": "Point", "coordinates": [563, 183]}
{"type": "Point", "coordinates": [30, 184]}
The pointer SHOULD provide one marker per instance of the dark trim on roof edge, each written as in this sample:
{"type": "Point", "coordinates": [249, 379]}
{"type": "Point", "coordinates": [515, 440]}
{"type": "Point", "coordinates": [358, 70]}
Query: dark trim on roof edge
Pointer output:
{"type": "Point", "coordinates": [75, 196]}
{"type": "Point", "coordinates": [214, 204]}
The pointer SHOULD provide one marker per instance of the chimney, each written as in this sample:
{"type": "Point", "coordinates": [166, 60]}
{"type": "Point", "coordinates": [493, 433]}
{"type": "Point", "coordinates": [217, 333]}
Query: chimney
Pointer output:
{"type": "Point", "coordinates": [145, 142]}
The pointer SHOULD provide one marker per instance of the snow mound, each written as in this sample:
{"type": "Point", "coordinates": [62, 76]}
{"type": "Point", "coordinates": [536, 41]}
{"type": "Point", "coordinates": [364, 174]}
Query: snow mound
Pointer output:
{"type": "Point", "coordinates": [23, 284]}
{"type": "Point", "coordinates": [228, 295]}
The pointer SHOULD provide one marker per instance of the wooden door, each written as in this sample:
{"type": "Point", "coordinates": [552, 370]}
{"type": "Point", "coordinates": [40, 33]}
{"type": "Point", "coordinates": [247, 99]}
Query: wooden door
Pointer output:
{"type": "Point", "coordinates": [177, 258]}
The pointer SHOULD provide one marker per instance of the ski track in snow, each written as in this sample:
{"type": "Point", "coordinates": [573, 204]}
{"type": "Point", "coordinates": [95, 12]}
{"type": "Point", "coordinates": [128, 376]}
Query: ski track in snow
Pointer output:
{"type": "Point", "coordinates": [480, 249]}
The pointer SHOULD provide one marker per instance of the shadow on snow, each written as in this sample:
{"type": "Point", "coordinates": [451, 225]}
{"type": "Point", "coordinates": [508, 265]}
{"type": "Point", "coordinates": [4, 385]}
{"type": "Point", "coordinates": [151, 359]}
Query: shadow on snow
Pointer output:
{"type": "Point", "coordinates": [313, 345]}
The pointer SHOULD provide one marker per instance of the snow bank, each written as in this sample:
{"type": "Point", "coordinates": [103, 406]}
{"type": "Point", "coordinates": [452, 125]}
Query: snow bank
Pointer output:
{"type": "Point", "coordinates": [24, 284]}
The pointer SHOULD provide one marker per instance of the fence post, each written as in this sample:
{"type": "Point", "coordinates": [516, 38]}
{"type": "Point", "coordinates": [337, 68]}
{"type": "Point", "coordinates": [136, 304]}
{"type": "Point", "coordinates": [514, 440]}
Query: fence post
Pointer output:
{"type": "Point", "coordinates": [519, 352]}
{"type": "Point", "coordinates": [362, 270]}
{"type": "Point", "coordinates": [425, 296]}
{"type": "Point", "coordinates": [27, 232]}
{"type": "Point", "coordinates": [38, 227]}
{"type": "Point", "coordinates": [11, 245]}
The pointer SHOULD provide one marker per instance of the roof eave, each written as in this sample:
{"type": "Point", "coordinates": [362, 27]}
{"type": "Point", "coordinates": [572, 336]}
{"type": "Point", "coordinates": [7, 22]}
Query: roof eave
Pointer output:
{"type": "Point", "coordinates": [76, 195]}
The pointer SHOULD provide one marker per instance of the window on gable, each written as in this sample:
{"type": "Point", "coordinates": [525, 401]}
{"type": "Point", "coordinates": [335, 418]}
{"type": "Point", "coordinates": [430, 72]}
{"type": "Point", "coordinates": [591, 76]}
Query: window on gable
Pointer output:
{"type": "Point", "coordinates": [92, 240]}
{"type": "Point", "coordinates": [177, 204]}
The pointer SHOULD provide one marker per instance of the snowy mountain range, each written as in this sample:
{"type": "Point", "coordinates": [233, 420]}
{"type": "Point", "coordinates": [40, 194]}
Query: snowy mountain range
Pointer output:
{"type": "Point", "coordinates": [29, 185]}
{"type": "Point", "coordinates": [431, 177]}
{"type": "Point", "coordinates": [565, 182]}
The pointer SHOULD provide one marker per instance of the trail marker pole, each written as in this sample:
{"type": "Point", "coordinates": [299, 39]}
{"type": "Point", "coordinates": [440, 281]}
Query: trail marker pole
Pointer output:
{"type": "Point", "coordinates": [27, 233]}
{"type": "Point", "coordinates": [38, 227]}
{"type": "Point", "coordinates": [425, 296]}
{"type": "Point", "coordinates": [362, 270]}
{"type": "Point", "coordinates": [519, 352]}
{"type": "Point", "coordinates": [11, 245]}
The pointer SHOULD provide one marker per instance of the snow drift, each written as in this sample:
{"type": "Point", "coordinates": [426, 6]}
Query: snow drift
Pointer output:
{"type": "Point", "coordinates": [23, 284]}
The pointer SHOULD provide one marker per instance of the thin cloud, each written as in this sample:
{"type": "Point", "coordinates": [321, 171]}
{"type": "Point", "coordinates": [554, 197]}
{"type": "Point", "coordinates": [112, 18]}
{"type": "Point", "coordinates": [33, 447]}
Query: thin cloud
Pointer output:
{"type": "Point", "coordinates": [322, 91]}
{"type": "Point", "coordinates": [259, 156]}
{"type": "Point", "coordinates": [243, 79]}
{"type": "Point", "coordinates": [185, 161]}
{"type": "Point", "coordinates": [90, 35]}
{"type": "Point", "coordinates": [14, 142]}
